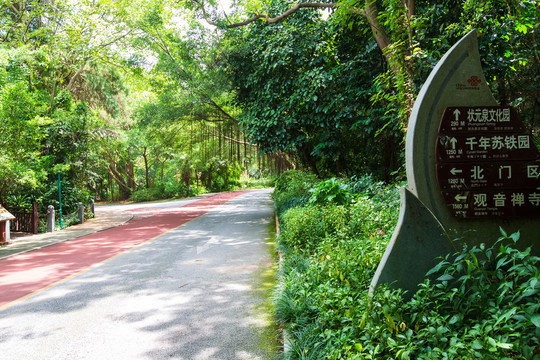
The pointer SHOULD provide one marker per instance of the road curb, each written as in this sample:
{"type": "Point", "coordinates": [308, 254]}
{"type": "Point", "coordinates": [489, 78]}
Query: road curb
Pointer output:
{"type": "Point", "coordinates": [284, 334]}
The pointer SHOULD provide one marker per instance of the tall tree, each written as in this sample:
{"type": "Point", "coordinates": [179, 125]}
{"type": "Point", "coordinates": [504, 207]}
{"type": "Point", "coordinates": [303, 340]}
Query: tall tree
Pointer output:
{"type": "Point", "coordinates": [305, 84]}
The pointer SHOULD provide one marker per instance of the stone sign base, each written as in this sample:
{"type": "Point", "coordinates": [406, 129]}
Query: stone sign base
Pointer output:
{"type": "Point", "coordinates": [418, 241]}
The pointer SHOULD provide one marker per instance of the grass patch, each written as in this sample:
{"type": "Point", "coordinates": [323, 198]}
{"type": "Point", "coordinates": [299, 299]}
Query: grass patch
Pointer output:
{"type": "Point", "coordinates": [265, 280]}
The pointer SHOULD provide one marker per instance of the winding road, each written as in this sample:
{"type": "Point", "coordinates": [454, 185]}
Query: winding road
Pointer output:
{"type": "Point", "coordinates": [186, 279]}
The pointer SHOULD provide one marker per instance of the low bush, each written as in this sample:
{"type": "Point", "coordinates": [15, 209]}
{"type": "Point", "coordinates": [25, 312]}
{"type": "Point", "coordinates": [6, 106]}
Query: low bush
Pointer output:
{"type": "Point", "coordinates": [370, 217]}
{"type": "Point", "coordinates": [292, 189]}
{"type": "Point", "coordinates": [304, 228]}
{"type": "Point", "coordinates": [71, 196]}
{"type": "Point", "coordinates": [147, 195]}
{"type": "Point", "coordinates": [258, 183]}
{"type": "Point", "coordinates": [165, 191]}
{"type": "Point", "coordinates": [480, 303]}
{"type": "Point", "coordinates": [221, 175]}
{"type": "Point", "coordinates": [330, 255]}
{"type": "Point", "coordinates": [331, 191]}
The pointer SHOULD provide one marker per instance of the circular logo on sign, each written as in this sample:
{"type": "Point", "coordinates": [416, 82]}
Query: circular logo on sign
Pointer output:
{"type": "Point", "coordinates": [474, 80]}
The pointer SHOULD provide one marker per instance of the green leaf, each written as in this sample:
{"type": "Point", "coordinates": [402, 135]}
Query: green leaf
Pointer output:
{"type": "Point", "coordinates": [521, 28]}
{"type": "Point", "coordinates": [390, 323]}
{"type": "Point", "coordinates": [454, 319]}
{"type": "Point", "coordinates": [506, 346]}
{"type": "Point", "coordinates": [535, 319]}
{"type": "Point", "coordinates": [515, 236]}
{"type": "Point", "coordinates": [445, 277]}
{"type": "Point", "coordinates": [477, 344]}
{"type": "Point", "coordinates": [403, 354]}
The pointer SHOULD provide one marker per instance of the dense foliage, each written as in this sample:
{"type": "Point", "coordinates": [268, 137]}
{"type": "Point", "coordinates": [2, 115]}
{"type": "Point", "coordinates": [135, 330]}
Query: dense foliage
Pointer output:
{"type": "Point", "coordinates": [329, 89]}
{"type": "Point", "coordinates": [154, 98]}
{"type": "Point", "coordinates": [108, 98]}
{"type": "Point", "coordinates": [144, 99]}
{"type": "Point", "coordinates": [42, 134]}
{"type": "Point", "coordinates": [307, 88]}
{"type": "Point", "coordinates": [480, 303]}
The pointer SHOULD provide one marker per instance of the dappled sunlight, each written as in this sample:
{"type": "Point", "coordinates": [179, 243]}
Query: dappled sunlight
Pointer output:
{"type": "Point", "coordinates": [32, 271]}
{"type": "Point", "coordinates": [192, 293]}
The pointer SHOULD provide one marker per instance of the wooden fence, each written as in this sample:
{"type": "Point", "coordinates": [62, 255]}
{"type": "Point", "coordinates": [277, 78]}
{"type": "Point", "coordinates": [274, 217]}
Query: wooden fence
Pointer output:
{"type": "Point", "coordinates": [26, 219]}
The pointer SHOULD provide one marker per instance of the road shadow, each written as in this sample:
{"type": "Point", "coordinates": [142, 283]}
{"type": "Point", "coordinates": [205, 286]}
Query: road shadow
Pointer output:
{"type": "Point", "coordinates": [198, 292]}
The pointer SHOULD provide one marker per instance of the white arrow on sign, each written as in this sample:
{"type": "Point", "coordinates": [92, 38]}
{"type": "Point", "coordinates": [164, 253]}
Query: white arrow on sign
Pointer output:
{"type": "Point", "coordinates": [460, 197]}
{"type": "Point", "coordinates": [456, 114]}
{"type": "Point", "coordinates": [453, 141]}
{"type": "Point", "coordinates": [455, 171]}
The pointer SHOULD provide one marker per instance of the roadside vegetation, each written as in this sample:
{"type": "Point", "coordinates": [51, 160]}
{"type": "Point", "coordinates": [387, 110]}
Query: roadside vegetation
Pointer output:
{"type": "Point", "coordinates": [480, 303]}
{"type": "Point", "coordinates": [138, 100]}
{"type": "Point", "coordinates": [149, 99]}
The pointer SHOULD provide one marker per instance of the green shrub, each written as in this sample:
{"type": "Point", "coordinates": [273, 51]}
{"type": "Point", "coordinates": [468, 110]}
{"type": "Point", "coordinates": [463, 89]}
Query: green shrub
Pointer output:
{"type": "Point", "coordinates": [294, 261]}
{"type": "Point", "coordinates": [363, 185]}
{"type": "Point", "coordinates": [482, 303]}
{"type": "Point", "coordinates": [221, 175]}
{"type": "Point", "coordinates": [304, 227]}
{"type": "Point", "coordinates": [167, 190]}
{"type": "Point", "coordinates": [18, 200]}
{"type": "Point", "coordinates": [259, 183]}
{"type": "Point", "coordinates": [292, 189]}
{"type": "Point", "coordinates": [377, 191]}
{"type": "Point", "coordinates": [194, 191]}
{"type": "Point", "coordinates": [371, 217]}
{"type": "Point", "coordinates": [293, 305]}
{"type": "Point", "coordinates": [330, 255]}
{"type": "Point", "coordinates": [154, 193]}
{"type": "Point", "coordinates": [71, 196]}
{"type": "Point", "coordinates": [331, 191]}
{"type": "Point", "coordinates": [305, 344]}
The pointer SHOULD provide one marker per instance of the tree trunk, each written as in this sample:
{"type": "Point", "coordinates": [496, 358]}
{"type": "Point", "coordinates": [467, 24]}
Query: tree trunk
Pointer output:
{"type": "Point", "coordinates": [146, 175]}
{"type": "Point", "coordinates": [245, 153]}
{"type": "Point", "coordinates": [238, 158]}
{"type": "Point", "coordinates": [308, 160]}
{"type": "Point", "coordinates": [125, 191]}
{"type": "Point", "coordinates": [219, 139]}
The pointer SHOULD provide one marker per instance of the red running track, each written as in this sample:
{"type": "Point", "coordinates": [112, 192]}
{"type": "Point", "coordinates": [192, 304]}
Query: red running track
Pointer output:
{"type": "Point", "coordinates": [24, 274]}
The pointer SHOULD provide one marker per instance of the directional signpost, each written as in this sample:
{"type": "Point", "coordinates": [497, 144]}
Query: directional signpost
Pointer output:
{"type": "Point", "coordinates": [472, 169]}
{"type": "Point", "coordinates": [487, 175]}
{"type": "Point", "coordinates": [487, 165]}
{"type": "Point", "coordinates": [482, 119]}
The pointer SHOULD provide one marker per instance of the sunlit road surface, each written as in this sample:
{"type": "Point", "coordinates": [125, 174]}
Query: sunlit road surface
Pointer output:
{"type": "Point", "coordinates": [175, 282]}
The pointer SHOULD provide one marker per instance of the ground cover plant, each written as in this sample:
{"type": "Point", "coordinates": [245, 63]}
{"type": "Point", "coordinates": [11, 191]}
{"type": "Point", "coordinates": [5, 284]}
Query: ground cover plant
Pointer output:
{"type": "Point", "coordinates": [480, 303]}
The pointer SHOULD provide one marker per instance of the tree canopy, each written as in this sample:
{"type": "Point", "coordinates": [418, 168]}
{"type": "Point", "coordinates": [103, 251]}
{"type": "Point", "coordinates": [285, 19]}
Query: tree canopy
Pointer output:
{"type": "Point", "coordinates": [126, 97]}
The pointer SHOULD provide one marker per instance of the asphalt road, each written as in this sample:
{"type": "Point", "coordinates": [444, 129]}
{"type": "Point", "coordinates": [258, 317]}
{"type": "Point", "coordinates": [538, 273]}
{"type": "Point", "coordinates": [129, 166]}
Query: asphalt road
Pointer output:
{"type": "Point", "coordinates": [198, 291]}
